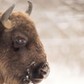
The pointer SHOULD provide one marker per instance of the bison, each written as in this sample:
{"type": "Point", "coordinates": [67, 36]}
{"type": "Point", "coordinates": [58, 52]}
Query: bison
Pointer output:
{"type": "Point", "coordinates": [22, 56]}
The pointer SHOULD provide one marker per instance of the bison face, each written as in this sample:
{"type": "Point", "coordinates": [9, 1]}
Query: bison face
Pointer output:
{"type": "Point", "coordinates": [22, 57]}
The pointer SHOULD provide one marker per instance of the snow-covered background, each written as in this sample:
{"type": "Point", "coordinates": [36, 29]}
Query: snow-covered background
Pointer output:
{"type": "Point", "coordinates": [60, 24]}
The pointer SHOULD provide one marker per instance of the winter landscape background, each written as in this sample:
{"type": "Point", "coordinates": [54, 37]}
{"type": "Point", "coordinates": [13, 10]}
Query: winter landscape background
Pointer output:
{"type": "Point", "coordinates": [60, 24]}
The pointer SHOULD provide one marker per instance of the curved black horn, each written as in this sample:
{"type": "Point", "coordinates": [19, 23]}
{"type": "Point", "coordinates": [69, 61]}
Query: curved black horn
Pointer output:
{"type": "Point", "coordinates": [6, 14]}
{"type": "Point", "coordinates": [29, 10]}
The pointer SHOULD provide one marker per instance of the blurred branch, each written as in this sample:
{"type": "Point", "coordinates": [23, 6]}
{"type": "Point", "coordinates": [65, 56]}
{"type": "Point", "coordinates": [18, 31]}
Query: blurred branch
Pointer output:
{"type": "Point", "coordinates": [75, 6]}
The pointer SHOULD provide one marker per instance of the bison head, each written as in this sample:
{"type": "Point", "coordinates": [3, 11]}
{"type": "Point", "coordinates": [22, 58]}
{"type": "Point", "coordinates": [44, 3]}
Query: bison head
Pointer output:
{"type": "Point", "coordinates": [22, 57]}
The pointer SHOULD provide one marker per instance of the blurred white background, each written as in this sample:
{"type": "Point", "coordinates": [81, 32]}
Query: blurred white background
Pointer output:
{"type": "Point", "coordinates": [60, 24]}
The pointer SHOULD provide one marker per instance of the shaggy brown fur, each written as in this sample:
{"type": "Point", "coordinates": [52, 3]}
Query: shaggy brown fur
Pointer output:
{"type": "Point", "coordinates": [16, 59]}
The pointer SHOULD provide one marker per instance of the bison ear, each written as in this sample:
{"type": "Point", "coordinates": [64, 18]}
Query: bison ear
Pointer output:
{"type": "Point", "coordinates": [5, 17]}
{"type": "Point", "coordinates": [29, 10]}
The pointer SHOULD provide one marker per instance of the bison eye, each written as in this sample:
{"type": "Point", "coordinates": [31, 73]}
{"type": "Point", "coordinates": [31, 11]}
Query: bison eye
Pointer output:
{"type": "Point", "coordinates": [19, 42]}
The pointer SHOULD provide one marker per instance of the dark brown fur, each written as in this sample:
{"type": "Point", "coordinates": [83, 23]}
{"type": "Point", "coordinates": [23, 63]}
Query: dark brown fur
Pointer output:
{"type": "Point", "coordinates": [14, 62]}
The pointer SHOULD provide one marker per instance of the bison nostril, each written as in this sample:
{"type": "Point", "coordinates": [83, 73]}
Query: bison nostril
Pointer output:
{"type": "Point", "coordinates": [44, 70]}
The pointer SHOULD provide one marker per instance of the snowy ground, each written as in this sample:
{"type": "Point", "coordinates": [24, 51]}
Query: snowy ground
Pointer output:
{"type": "Point", "coordinates": [60, 24]}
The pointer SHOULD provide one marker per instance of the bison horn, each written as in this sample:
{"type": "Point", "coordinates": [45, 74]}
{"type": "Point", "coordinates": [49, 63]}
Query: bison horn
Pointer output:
{"type": "Point", "coordinates": [29, 10]}
{"type": "Point", "coordinates": [5, 17]}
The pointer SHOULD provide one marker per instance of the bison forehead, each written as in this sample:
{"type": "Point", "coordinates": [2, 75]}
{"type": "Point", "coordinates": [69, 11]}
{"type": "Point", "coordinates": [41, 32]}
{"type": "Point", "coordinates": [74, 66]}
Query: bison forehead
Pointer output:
{"type": "Point", "coordinates": [20, 17]}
